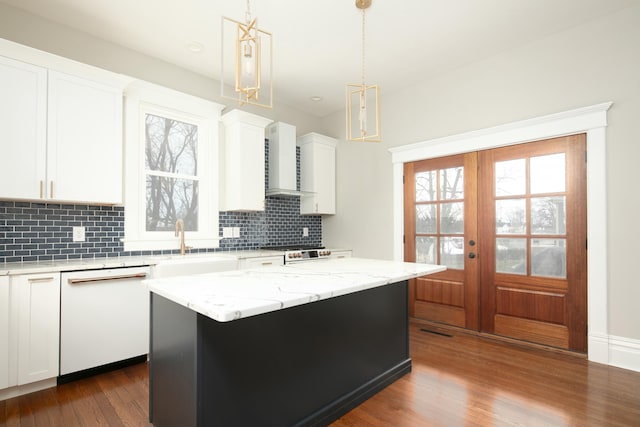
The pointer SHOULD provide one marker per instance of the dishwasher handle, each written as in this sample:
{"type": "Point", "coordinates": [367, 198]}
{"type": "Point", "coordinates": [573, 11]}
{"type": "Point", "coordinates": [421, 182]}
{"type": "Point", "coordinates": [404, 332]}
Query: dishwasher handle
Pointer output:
{"type": "Point", "coordinates": [79, 281]}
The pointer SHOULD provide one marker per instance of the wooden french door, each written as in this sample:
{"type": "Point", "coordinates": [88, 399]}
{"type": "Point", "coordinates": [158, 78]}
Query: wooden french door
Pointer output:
{"type": "Point", "coordinates": [516, 259]}
{"type": "Point", "coordinates": [440, 228]}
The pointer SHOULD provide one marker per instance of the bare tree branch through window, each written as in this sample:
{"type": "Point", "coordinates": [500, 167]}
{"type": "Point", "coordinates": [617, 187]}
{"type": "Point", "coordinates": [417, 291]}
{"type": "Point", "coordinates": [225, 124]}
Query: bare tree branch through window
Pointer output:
{"type": "Point", "coordinates": [171, 173]}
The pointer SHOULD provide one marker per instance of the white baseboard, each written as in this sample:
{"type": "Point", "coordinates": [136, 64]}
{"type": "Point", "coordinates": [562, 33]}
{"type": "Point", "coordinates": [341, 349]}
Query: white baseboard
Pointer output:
{"type": "Point", "coordinates": [621, 352]}
{"type": "Point", "coordinates": [599, 348]}
{"type": "Point", "coordinates": [624, 353]}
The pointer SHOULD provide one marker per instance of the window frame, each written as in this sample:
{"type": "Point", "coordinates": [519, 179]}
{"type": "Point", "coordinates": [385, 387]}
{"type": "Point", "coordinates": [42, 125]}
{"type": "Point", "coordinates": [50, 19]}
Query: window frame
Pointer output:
{"type": "Point", "coordinates": [142, 98]}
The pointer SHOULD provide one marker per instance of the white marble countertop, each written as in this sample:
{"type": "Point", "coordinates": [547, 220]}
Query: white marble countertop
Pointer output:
{"type": "Point", "coordinates": [232, 295]}
{"type": "Point", "coordinates": [15, 268]}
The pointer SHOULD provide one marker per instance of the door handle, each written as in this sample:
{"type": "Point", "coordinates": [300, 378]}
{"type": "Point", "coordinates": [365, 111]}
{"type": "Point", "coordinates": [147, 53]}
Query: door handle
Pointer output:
{"type": "Point", "coordinates": [471, 255]}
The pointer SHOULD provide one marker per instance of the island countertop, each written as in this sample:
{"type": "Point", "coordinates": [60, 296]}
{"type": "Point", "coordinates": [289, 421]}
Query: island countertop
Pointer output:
{"type": "Point", "coordinates": [231, 295]}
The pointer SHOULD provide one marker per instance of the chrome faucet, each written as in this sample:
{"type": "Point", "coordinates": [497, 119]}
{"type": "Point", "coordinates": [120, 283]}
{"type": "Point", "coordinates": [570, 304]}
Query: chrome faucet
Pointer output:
{"type": "Point", "coordinates": [180, 232]}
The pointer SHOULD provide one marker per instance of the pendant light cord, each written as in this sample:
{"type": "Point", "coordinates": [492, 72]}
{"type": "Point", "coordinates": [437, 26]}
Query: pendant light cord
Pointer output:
{"type": "Point", "coordinates": [247, 14]}
{"type": "Point", "coordinates": [363, 40]}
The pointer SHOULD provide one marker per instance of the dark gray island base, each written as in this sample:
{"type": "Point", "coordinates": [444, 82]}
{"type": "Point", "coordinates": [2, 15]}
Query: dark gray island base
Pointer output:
{"type": "Point", "coordinates": [302, 366]}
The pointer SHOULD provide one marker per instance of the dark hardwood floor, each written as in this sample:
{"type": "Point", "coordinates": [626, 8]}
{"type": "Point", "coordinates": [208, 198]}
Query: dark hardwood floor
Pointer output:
{"type": "Point", "coordinates": [457, 380]}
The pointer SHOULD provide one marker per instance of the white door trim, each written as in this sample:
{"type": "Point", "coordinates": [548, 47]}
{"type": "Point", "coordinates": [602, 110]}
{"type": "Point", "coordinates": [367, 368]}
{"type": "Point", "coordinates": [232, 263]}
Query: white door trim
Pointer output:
{"type": "Point", "coordinates": [591, 120]}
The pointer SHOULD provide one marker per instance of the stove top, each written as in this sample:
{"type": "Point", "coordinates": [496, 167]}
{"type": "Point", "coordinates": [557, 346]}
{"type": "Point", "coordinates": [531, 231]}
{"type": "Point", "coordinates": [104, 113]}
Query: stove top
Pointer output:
{"type": "Point", "coordinates": [286, 248]}
{"type": "Point", "coordinates": [301, 253]}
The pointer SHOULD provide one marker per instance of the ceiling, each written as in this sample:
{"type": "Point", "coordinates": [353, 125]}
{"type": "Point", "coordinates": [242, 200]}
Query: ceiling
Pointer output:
{"type": "Point", "coordinates": [317, 44]}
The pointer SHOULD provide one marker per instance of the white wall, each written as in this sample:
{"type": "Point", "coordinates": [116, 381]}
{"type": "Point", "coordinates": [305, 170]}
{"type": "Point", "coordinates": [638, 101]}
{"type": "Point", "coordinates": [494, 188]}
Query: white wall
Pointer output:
{"type": "Point", "coordinates": [587, 65]}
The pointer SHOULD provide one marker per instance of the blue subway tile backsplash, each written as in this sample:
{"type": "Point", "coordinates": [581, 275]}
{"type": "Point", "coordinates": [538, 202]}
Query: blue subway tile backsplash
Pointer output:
{"type": "Point", "coordinates": [31, 231]}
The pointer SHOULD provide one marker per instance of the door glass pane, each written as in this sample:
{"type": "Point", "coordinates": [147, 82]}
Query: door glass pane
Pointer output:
{"type": "Point", "coordinates": [426, 219]}
{"type": "Point", "coordinates": [511, 256]}
{"type": "Point", "coordinates": [170, 199]}
{"type": "Point", "coordinates": [452, 252]}
{"type": "Point", "coordinates": [511, 216]}
{"type": "Point", "coordinates": [548, 174]}
{"type": "Point", "coordinates": [511, 178]}
{"type": "Point", "coordinates": [426, 186]}
{"type": "Point", "coordinates": [548, 215]}
{"type": "Point", "coordinates": [548, 258]}
{"type": "Point", "coordinates": [452, 183]}
{"type": "Point", "coordinates": [452, 218]}
{"type": "Point", "coordinates": [426, 250]}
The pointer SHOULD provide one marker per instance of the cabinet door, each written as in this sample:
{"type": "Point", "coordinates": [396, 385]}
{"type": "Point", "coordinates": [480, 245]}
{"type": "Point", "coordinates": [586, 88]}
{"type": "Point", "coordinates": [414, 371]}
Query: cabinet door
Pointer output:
{"type": "Point", "coordinates": [4, 332]}
{"type": "Point", "coordinates": [325, 175]}
{"type": "Point", "coordinates": [318, 177]}
{"type": "Point", "coordinates": [84, 150]}
{"type": "Point", "coordinates": [243, 162]}
{"type": "Point", "coordinates": [38, 326]}
{"type": "Point", "coordinates": [23, 120]}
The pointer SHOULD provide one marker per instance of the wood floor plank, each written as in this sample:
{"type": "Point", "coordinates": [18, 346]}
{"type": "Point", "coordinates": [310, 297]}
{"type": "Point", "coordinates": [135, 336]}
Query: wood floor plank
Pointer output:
{"type": "Point", "coordinates": [461, 379]}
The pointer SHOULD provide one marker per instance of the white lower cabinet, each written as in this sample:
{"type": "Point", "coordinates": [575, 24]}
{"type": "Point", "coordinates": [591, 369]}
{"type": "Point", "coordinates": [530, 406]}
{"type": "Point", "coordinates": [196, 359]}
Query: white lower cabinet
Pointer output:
{"type": "Point", "coordinates": [38, 315]}
{"type": "Point", "coordinates": [257, 262]}
{"type": "Point", "coordinates": [340, 254]}
{"type": "Point", "coordinates": [4, 332]}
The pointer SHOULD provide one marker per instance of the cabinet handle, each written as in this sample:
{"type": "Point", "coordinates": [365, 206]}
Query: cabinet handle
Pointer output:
{"type": "Point", "coordinates": [267, 263]}
{"type": "Point", "coordinates": [106, 278]}
{"type": "Point", "coordinates": [41, 279]}
{"type": "Point", "coordinates": [51, 192]}
{"type": "Point", "coordinates": [41, 188]}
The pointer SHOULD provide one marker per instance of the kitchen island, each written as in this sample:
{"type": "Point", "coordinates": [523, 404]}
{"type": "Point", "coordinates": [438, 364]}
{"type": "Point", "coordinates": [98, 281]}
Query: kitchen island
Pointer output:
{"type": "Point", "coordinates": [293, 345]}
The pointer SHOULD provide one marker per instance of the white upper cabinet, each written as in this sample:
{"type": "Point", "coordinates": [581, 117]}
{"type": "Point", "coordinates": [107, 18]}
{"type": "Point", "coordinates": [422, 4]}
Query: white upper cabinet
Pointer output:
{"type": "Point", "coordinates": [62, 136]}
{"type": "Point", "coordinates": [23, 120]}
{"type": "Point", "coordinates": [84, 144]}
{"type": "Point", "coordinates": [317, 174]}
{"type": "Point", "coordinates": [242, 162]}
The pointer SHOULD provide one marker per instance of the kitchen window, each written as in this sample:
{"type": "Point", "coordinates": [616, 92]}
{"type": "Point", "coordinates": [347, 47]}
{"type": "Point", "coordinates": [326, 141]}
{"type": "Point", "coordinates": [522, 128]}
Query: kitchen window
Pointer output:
{"type": "Point", "coordinates": [171, 169]}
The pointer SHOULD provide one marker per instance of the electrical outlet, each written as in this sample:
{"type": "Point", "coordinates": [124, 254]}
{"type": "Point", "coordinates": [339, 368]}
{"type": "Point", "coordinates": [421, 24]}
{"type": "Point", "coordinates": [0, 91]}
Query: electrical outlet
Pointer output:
{"type": "Point", "coordinates": [227, 232]}
{"type": "Point", "coordinates": [236, 231]}
{"type": "Point", "coordinates": [305, 232]}
{"type": "Point", "coordinates": [79, 234]}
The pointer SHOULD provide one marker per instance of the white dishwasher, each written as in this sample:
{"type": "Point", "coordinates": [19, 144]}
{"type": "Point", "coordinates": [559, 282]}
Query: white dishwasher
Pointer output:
{"type": "Point", "coordinates": [104, 317]}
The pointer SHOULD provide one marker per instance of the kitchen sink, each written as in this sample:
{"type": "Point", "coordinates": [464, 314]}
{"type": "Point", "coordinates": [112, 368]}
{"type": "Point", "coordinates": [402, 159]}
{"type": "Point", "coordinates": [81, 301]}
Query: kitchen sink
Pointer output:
{"type": "Point", "coordinates": [195, 264]}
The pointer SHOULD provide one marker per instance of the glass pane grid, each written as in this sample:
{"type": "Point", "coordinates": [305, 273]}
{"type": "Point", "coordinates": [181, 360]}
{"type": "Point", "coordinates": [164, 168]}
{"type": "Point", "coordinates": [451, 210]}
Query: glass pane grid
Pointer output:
{"type": "Point", "coordinates": [439, 209]}
{"type": "Point", "coordinates": [530, 215]}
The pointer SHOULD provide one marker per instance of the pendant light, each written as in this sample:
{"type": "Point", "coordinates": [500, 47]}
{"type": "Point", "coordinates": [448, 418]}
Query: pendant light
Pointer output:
{"type": "Point", "coordinates": [246, 53]}
{"type": "Point", "coordinates": [363, 101]}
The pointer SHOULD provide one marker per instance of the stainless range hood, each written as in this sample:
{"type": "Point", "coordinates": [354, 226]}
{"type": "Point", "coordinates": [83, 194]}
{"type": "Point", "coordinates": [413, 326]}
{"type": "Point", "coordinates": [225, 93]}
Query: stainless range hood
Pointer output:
{"type": "Point", "coordinates": [282, 160]}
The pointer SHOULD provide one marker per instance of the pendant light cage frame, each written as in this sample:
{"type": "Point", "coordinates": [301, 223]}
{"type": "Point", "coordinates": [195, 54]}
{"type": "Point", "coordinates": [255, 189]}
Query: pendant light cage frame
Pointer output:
{"type": "Point", "coordinates": [358, 119]}
{"type": "Point", "coordinates": [246, 62]}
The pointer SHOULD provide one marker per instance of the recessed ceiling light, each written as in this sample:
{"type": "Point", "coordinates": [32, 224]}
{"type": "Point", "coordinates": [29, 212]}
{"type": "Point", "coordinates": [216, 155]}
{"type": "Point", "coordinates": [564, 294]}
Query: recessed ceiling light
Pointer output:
{"type": "Point", "coordinates": [316, 98]}
{"type": "Point", "coordinates": [195, 47]}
